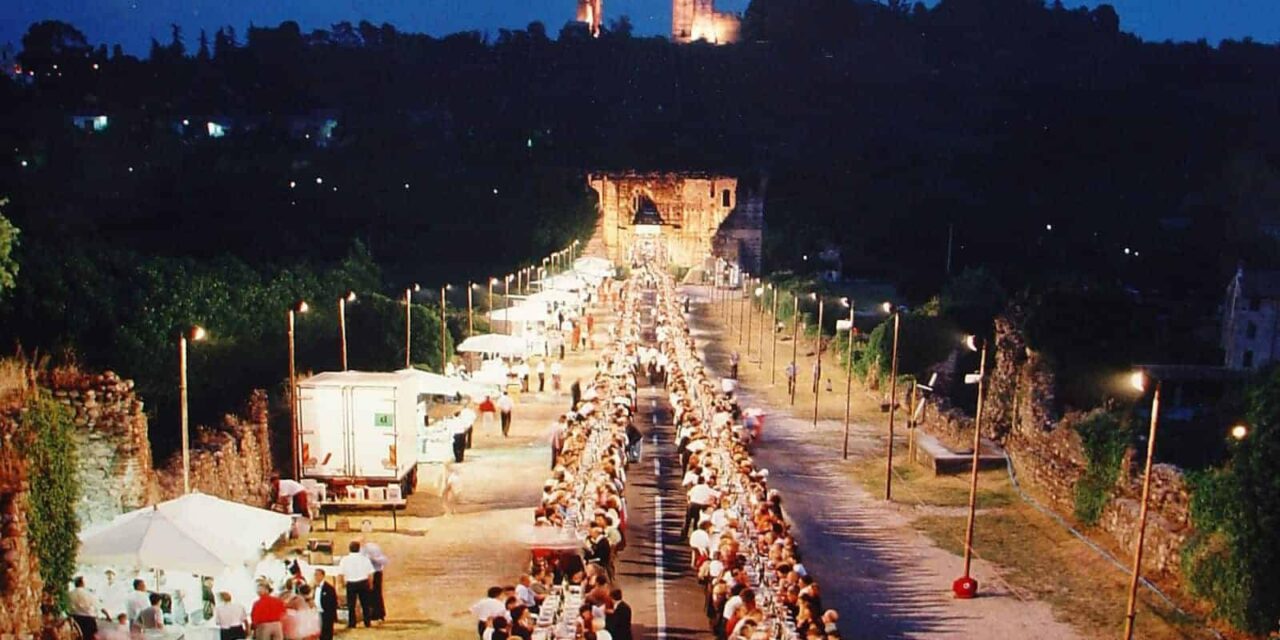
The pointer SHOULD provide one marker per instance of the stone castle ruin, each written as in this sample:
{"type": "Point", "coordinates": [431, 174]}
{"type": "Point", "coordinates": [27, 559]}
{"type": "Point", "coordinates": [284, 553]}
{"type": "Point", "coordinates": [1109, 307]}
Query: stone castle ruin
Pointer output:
{"type": "Point", "coordinates": [685, 217]}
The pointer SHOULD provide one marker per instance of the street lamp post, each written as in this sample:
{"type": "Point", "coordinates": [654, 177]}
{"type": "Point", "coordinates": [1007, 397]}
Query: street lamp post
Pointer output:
{"type": "Point", "coordinates": [1139, 381]}
{"type": "Point", "coordinates": [751, 312]}
{"type": "Point", "coordinates": [444, 328]}
{"type": "Point", "coordinates": [492, 281]}
{"type": "Point", "coordinates": [893, 399]}
{"type": "Point", "coordinates": [795, 346]}
{"type": "Point", "coordinates": [817, 362]}
{"type": "Point", "coordinates": [195, 334]}
{"type": "Point", "coordinates": [471, 328]}
{"type": "Point", "coordinates": [408, 324]}
{"type": "Point", "coordinates": [342, 324]}
{"type": "Point", "coordinates": [298, 307]}
{"type": "Point", "coordinates": [773, 329]}
{"type": "Point", "coordinates": [966, 586]}
{"type": "Point", "coordinates": [848, 383]}
{"type": "Point", "coordinates": [760, 350]}
{"type": "Point", "coordinates": [743, 293]}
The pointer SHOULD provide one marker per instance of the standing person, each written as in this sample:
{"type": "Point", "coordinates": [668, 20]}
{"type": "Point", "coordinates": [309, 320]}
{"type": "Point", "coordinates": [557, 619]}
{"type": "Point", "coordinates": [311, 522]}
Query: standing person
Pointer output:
{"type": "Point", "coordinates": [733, 365]}
{"type": "Point", "coordinates": [450, 488]}
{"type": "Point", "coordinates": [555, 377]}
{"type": "Point", "coordinates": [356, 570]}
{"type": "Point", "coordinates": [291, 495]}
{"type": "Point", "coordinates": [577, 336]}
{"type": "Point", "coordinates": [267, 616]}
{"type": "Point", "coordinates": [138, 600]}
{"type": "Point", "coordinates": [230, 618]}
{"type": "Point", "coordinates": [85, 608]}
{"type": "Point", "coordinates": [791, 377]}
{"type": "Point", "coordinates": [152, 618]}
{"type": "Point", "coordinates": [542, 375]}
{"type": "Point", "coordinates": [380, 560]}
{"type": "Point", "coordinates": [566, 330]}
{"type": "Point", "coordinates": [575, 395]}
{"type": "Point", "coordinates": [505, 405]}
{"type": "Point", "coordinates": [488, 608]}
{"type": "Point", "coordinates": [558, 432]}
{"type": "Point", "coordinates": [327, 602]}
{"type": "Point", "coordinates": [487, 410]}
{"type": "Point", "coordinates": [522, 370]}
{"type": "Point", "coordinates": [618, 619]}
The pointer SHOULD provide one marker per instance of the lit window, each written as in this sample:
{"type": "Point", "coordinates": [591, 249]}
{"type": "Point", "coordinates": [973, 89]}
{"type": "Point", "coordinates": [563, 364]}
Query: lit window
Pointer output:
{"type": "Point", "coordinates": [215, 130]}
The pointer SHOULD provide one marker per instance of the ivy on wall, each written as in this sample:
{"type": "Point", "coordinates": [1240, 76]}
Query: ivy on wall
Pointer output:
{"type": "Point", "coordinates": [1105, 440]}
{"type": "Point", "coordinates": [1234, 558]}
{"type": "Point", "coordinates": [46, 441]}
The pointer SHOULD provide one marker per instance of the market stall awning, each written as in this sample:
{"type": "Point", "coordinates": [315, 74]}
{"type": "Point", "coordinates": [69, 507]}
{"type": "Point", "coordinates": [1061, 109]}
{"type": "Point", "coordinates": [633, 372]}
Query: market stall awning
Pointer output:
{"type": "Point", "coordinates": [594, 266]}
{"type": "Point", "coordinates": [520, 313]}
{"type": "Point", "coordinates": [509, 346]}
{"type": "Point", "coordinates": [196, 533]}
{"type": "Point", "coordinates": [562, 282]}
{"type": "Point", "coordinates": [434, 384]}
{"type": "Point", "coordinates": [553, 296]}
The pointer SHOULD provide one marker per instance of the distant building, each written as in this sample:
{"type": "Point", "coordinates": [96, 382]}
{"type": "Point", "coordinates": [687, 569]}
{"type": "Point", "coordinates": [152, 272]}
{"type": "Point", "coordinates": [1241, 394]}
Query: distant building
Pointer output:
{"type": "Point", "coordinates": [90, 122]}
{"type": "Point", "coordinates": [1251, 320]}
{"type": "Point", "coordinates": [684, 217]}
{"type": "Point", "coordinates": [694, 20]}
{"type": "Point", "coordinates": [317, 126]}
{"type": "Point", "coordinates": [591, 13]}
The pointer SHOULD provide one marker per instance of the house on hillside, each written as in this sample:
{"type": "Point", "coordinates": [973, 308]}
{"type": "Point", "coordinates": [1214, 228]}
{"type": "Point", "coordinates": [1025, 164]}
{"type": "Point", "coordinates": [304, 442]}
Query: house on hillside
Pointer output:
{"type": "Point", "coordinates": [90, 122]}
{"type": "Point", "coordinates": [1251, 319]}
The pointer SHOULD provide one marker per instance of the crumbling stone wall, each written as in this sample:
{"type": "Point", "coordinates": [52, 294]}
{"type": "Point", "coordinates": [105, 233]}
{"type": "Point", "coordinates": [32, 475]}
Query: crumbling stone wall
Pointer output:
{"type": "Point", "coordinates": [111, 436]}
{"type": "Point", "coordinates": [20, 584]}
{"type": "Point", "coordinates": [231, 462]}
{"type": "Point", "coordinates": [1049, 457]}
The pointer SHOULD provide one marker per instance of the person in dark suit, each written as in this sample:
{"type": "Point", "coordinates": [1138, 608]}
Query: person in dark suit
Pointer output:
{"type": "Point", "coordinates": [618, 620]}
{"type": "Point", "coordinates": [327, 601]}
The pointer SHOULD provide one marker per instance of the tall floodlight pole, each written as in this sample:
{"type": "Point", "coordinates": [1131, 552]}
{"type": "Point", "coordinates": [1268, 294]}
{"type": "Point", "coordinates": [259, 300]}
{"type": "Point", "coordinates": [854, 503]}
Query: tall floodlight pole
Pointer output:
{"type": "Point", "coordinates": [444, 327]}
{"type": "Point", "coordinates": [966, 586]}
{"type": "Point", "coordinates": [893, 399]}
{"type": "Point", "coordinates": [817, 362]}
{"type": "Point", "coordinates": [773, 329]}
{"type": "Point", "coordinates": [408, 324]}
{"type": "Point", "coordinates": [1139, 381]}
{"type": "Point", "coordinates": [848, 383]}
{"type": "Point", "coordinates": [795, 346]}
{"type": "Point", "coordinates": [195, 334]}
{"type": "Point", "coordinates": [296, 446]}
{"type": "Point", "coordinates": [342, 325]}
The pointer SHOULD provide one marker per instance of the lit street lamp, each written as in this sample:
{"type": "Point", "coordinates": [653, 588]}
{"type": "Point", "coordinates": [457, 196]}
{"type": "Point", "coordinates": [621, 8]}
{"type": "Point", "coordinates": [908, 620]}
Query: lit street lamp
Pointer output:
{"type": "Point", "coordinates": [755, 293]}
{"type": "Point", "coordinates": [760, 351]}
{"type": "Point", "coordinates": [848, 384]}
{"type": "Point", "coordinates": [890, 308]}
{"type": "Point", "coordinates": [342, 324]}
{"type": "Point", "coordinates": [408, 324]}
{"type": "Point", "coordinates": [492, 281]}
{"type": "Point", "coordinates": [966, 586]}
{"type": "Point", "coordinates": [743, 294]}
{"type": "Point", "coordinates": [298, 307]}
{"type": "Point", "coordinates": [444, 328]}
{"type": "Point", "coordinates": [471, 330]}
{"type": "Point", "coordinates": [795, 346]}
{"type": "Point", "coordinates": [1138, 380]}
{"type": "Point", "coordinates": [194, 334]}
{"type": "Point", "coordinates": [817, 361]}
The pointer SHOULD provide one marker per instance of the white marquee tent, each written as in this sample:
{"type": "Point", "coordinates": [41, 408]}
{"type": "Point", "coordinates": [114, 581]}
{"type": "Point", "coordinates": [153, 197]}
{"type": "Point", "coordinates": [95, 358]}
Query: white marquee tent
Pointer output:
{"type": "Point", "coordinates": [491, 343]}
{"type": "Point", "coordinates": [434, 384]}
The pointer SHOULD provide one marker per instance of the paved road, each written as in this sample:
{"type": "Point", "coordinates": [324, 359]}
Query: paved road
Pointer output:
{"type": "Point", "coordinates": [885, 579]}
{"type": "Point", "coordinates": [654, 571]}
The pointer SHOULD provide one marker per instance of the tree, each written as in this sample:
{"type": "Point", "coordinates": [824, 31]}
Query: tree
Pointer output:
{"type": "Point", "coordinates": [203, 53]}
{"type": "Point", "coordinates": [50, 41]}
{"type": "Point", "coordinates": [8, 243]}
{"type": "Point", "coordinates": [621, 27]}
{"type": "Point", "coordinates": [177, 48]}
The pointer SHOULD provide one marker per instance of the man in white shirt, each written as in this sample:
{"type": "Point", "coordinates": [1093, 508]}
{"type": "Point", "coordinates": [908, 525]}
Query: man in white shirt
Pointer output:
{"type": "Point", "coordinates": [139, 599]}
{"type": "Point", "coordinates": [542, 375]}
{"type": "Point", "coordinates": [357, 570]}
{"type": "Point", "coordinates": [505, 404]}
{"type": "Point", "coordinates": [555, 377]}
{"type": "Point", "coordinates": [524, 591]}
{"type": "Point", "coordinates": [522, 371]}
{"type": "Point", "coordinates": [380, 561]}
{"type": "Point", "coordinates": [291, 494]}
{"type": "Point", "coordinates": [488, 608]}
{"type": "Point", "coordinates": [701, 496]}
{"type": "Point", "coordinates": [700, 541]}
{"type": "Point", "coordinates": [85, 608]}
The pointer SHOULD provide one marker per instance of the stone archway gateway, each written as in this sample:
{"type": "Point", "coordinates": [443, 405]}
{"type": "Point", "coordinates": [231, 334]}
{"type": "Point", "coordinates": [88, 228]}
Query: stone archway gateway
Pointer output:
{"type": "Point", "coordinates": [688, 217]}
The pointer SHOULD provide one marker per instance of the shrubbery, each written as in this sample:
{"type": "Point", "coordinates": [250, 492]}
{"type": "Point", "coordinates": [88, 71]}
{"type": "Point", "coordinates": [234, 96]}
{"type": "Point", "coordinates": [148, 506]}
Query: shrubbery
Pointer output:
{"type": "Point", "coordinates": [46, 441]}
{"type": "Point", "coordinates": [1105, 440]}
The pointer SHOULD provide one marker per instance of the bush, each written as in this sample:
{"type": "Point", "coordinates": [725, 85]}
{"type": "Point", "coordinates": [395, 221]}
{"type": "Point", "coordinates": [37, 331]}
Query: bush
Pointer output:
{"type": "Point", "coordinates": [46, 441]}
{"type": "Point", "coordinates": [922, 342]}
{"type": "Point", "coordinates": [1105, 440]}
{"type": "Point", "coordinates": [1234, 559]}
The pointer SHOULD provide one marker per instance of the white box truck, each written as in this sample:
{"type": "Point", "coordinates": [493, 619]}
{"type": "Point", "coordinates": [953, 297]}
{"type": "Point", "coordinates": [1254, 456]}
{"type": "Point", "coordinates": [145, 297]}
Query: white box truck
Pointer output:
{"type": "Point", "coordinates": [359, 428]}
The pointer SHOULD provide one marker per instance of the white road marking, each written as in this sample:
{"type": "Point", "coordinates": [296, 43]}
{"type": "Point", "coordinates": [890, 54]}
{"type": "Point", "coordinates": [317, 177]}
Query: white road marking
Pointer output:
{"type": "Point", "coordinates": [659, 588]}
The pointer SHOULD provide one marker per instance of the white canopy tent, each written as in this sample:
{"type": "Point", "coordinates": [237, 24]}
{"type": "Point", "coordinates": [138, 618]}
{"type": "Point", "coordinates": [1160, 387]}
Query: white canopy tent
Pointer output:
{"type": "Point", "coordinates": [434, 384]}
{"type": "Point", "coordinates": [555, 296]}
{"type": "Point", "coordinates": [490, 343]}
{"type": "Point", "coordinates": [593, 266]}
{"type": "Point", "coordinates": [563, 282]}
{"type": "Point", "coordinates": [196, 533]}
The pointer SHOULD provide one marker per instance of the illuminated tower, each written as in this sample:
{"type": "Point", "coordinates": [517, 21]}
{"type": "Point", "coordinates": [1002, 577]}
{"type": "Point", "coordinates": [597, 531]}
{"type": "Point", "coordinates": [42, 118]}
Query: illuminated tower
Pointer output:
{"type": "Point", "coordinates": [693, 20]}
{"type": "Point", "coordinates": [591, 13]}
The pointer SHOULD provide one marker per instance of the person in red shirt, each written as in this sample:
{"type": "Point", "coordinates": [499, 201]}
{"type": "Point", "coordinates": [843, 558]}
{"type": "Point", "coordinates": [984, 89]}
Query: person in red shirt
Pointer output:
{"type": "Point", "coordinates": [267, 615]}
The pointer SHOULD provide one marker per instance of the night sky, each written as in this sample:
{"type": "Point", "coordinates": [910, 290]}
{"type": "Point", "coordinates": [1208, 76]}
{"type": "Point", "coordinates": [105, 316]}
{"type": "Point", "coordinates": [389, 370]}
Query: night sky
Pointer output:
{"type": "Point", "coordinates": [134, 22]}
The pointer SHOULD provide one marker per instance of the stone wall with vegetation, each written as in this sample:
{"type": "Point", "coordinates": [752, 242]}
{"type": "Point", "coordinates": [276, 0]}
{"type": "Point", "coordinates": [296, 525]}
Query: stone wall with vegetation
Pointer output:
{"type": "Point", "coordinates": [111, 435]}
{"type": "Point", "coordinates": [1052, 458]}
{"type": "Point", "coordinates": [20, 584]}
{"type": "Point", "coordinates": [232, 461]}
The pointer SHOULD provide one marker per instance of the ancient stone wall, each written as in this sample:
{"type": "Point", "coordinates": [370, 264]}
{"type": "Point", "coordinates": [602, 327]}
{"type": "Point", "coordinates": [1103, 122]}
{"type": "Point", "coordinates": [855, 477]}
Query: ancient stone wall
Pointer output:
{"type": "Point", "coordinates": [20, 584]}
{"type": "Point", "coordinates": [111, 436]}
{"type": "Point", "coordinates": [1049, 457]}
{"type": "Point", "coordinates": [231, 462]}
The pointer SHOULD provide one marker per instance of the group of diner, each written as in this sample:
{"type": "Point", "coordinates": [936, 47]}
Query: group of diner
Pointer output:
{"type": "Point", "coordinates": [742, 547]}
